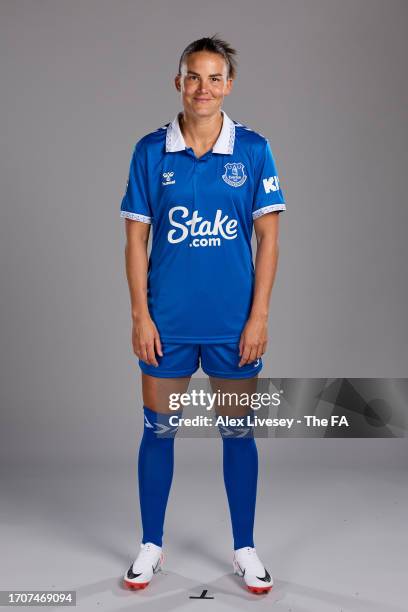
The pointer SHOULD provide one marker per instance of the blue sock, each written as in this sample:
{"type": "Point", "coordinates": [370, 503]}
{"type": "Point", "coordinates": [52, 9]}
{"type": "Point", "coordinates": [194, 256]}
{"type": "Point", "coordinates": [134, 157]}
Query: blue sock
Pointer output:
{"type": "Point", "coordinates": [240, 465]}
{"type": "Point", "coordinates": [155, 470]}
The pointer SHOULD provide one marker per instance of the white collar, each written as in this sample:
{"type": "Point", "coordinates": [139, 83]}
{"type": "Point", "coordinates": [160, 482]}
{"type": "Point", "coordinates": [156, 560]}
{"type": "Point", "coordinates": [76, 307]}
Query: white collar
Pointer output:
{"type": "Point", "coordinates": [225, 142]}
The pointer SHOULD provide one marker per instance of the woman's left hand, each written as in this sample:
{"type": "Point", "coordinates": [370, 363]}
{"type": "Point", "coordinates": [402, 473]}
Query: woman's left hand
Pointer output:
{"type": "Point", "coordinates": [254, 339]}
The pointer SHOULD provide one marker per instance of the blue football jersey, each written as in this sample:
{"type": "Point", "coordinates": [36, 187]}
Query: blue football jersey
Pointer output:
{"type": "Point", "coordinates": [201, 272]}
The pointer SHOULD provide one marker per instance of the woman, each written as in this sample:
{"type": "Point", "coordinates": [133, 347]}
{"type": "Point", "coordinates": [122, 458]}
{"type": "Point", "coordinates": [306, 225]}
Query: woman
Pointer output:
{"type": "Point", "coordinates": [203, 181]}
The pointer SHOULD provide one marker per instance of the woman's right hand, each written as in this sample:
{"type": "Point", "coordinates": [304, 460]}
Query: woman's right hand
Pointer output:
{"type": "Point", "coordinates": [146, 340]}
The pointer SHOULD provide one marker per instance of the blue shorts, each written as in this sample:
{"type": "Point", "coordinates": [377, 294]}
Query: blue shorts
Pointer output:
{"type": "Point", "coordinates": [220, 360]}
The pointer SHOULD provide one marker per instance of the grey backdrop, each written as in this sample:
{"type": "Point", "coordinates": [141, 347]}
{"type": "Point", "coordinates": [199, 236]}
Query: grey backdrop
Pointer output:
{"type": "Point", "coordinates": [81, 81]}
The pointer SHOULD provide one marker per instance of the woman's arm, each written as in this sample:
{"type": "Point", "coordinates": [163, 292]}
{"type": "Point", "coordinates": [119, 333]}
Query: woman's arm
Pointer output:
{"type": "Point", "coordinates": [254, 337]}
{"type": "Point", "coordinates": [145, 336]}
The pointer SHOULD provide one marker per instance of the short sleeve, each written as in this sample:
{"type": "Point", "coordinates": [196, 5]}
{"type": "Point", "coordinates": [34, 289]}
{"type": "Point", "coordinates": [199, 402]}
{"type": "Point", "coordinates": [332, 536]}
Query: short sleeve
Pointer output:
{"type": "Point", "coordinates": [268, 195]}
{"type": "Point", "coordinates": [135, 203]}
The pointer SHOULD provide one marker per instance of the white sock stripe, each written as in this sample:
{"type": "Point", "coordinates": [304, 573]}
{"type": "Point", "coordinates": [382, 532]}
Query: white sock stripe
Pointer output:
{"type": "Point", "coordinates": [234, 432]}
{"type": "Point", "coordinates": [147, 422]}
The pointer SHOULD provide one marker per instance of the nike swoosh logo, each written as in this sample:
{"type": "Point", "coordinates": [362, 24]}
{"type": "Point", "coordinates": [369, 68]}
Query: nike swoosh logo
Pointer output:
{"type": "Point", "coordinates": [130, 573]}
{"type": "Point", "coordinates": [266, 578]}
{"type": "Point", "coordinates": [243, 571]}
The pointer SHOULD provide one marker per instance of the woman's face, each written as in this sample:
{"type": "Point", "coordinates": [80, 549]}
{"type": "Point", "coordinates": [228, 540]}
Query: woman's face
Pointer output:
{"type": "Point", "coordinates": [203, 83]}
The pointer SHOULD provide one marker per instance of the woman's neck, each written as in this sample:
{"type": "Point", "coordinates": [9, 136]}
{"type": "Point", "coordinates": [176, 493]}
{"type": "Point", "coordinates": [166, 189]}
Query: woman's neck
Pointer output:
{"type": "Point", "coordinates": [202, 132]}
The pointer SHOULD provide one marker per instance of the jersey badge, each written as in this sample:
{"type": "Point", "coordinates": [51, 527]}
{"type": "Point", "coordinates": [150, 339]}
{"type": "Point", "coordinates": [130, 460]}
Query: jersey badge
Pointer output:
{"type": "Point", "coordinates": [234, 174]}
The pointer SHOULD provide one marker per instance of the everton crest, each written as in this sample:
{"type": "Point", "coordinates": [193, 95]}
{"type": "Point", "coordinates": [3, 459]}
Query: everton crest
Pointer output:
{"type": "Point", "coordinates": [234, 174]}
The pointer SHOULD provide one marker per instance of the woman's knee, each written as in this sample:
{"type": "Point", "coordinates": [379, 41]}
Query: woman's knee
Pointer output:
{"type": "Point", "coordinates": [157, 392]}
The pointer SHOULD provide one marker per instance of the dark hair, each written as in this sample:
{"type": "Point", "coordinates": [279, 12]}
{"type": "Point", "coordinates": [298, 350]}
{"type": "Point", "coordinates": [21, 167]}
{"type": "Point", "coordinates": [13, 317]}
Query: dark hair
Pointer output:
{"type": "Point", "coordinates": [213, 45]}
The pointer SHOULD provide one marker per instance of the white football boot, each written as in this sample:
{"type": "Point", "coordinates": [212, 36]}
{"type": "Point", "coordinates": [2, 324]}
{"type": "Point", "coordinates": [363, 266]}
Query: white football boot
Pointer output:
{"type": "Point", "coordinates": [246, 564]}
{"type": "Point", "coordinates": [148, 562]}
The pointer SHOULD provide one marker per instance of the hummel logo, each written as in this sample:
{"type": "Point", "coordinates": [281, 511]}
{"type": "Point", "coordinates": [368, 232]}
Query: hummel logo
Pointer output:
{"type": "Point", "coordinates": [168, 178]}
{"type": "Point", "coordinates": [271, 184]}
